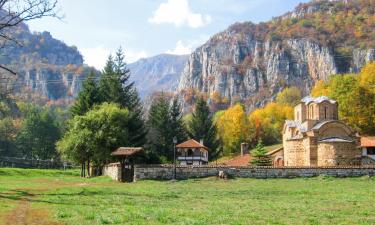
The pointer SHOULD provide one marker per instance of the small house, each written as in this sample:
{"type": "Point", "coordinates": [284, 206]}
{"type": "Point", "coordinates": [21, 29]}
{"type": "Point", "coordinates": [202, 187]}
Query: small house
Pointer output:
{"type": "Point", "coordinates": [368, 150]}
{"type": "Point", "coordinates": [192, 152]}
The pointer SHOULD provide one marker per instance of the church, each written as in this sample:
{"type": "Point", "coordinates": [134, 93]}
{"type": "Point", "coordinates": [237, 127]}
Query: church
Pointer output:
{"type": "Point", "coordinates": [316, 136]}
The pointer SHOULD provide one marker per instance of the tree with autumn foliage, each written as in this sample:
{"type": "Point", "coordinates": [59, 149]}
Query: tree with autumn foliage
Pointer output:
{"type": "Point", "coordinates": [233, 128]}
{"type": "Point", "coordinates": [290, 96]}
{"type": "Point", "coordinates": [269, 121]}
{"type": "Point", "coordinates": [355, 95]}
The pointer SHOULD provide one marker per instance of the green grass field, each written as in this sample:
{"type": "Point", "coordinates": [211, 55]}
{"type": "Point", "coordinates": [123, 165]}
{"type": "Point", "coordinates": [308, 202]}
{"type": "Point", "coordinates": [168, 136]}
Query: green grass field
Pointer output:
{"type": "Point", "coordinates": [55, 197]}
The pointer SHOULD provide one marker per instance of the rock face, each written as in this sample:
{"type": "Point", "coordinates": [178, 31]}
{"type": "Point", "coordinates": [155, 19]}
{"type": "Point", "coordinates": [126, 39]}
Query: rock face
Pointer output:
{"type": "Point", "coordinates": [44, 65]}
{"type": "Point", "coordinates": [158, 73]}
{"type": "Point", "coordinates": [251, 63]}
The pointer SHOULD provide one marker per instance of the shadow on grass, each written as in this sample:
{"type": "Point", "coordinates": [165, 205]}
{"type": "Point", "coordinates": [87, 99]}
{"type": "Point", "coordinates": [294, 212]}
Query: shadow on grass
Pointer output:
{"type": "Point", "coordinates": [26, 195]}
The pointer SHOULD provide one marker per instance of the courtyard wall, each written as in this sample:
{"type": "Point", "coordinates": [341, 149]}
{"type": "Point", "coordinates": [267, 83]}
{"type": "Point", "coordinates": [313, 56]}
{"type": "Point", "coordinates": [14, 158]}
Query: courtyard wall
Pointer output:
{"type": "Point", "coordinates": [165, 172]}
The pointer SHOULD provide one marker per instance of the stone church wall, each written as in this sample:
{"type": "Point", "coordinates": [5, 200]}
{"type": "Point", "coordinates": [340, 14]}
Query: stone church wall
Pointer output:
{"type": "Point", "coordinates": [337, 153]}
{"type": "Point", "coordinates": [294, 153]}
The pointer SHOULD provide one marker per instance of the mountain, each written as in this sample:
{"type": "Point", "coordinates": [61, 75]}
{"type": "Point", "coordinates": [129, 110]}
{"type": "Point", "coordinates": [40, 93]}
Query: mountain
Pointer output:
{"type": "Point", "coordinates": [250, 63]}
{"type": "Point", "coordinates": [158, 73]}
{"type": "Point", "coordinates": [46, 67]}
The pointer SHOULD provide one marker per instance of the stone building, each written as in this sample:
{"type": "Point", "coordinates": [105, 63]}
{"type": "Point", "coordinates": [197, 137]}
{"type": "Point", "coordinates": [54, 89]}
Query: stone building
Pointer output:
{"type": "Point", "coordinates": [316, 136]}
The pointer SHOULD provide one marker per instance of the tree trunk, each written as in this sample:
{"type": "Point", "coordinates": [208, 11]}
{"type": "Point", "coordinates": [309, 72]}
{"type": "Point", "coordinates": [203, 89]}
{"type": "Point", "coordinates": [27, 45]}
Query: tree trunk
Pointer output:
{"type": "Point", "coordinates": [88, 168]}
{"type": "Point", "coordinates": [84, 169]}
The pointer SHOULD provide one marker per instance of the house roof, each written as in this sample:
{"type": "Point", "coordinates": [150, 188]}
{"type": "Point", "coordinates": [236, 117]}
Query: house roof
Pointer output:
{"type": "Point", "coordinates": [275, 151]}
{"type": "Point", "coordinates": [308, 99]}
{"type": "Point", "coordinates": [296, 124]}
{"type": "Point", "coordinates": [368, 141]}
{"type": "Point", "coordinates": [191, 144]}
{"type": "Point", "coordinates": [126, 151]}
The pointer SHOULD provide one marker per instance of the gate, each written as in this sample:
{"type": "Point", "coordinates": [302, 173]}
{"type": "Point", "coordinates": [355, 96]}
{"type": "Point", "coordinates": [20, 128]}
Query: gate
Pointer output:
{"type": "Point", "coordinates": [127, 173]}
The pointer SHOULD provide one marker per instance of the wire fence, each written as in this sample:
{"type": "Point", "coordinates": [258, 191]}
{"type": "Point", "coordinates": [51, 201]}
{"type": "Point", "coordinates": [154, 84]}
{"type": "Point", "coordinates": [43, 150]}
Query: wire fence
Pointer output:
{"type": "Point", "coordinates": [10, 162]}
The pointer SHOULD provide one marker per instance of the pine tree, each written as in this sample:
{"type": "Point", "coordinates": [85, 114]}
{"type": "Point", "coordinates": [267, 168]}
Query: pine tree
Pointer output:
{"type": "Point", "coordinates": [88, 97]}
{"type": "Point", "coordinates": [260, 155]}
{"type": "Point", "coordinates": [202, 127]}
{"type": "Point", "coordinates": [165, 122]}
{"type": "Point", "coordinates": [159, 137]}
{"type": "Point", "coordinates": [177, 126]}
{"type": "Point", "coordinates": [115, 87]}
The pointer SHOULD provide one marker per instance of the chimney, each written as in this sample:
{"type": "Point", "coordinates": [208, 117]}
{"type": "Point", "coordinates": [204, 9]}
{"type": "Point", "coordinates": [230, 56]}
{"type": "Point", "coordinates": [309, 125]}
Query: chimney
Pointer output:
{"type": "Point", "coordinates": [201, 142]}
{"type": "Point", "coordinates": [244, 149]}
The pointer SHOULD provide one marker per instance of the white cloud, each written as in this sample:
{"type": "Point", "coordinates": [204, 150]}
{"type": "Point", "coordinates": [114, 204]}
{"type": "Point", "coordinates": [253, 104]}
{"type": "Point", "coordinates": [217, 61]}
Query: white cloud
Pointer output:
{"type": "Point", "coordinates": [187, 47]}
{"type": "Point", "coordinates": [178, 12]}
{"type": "Point", "coordinates": [97, 57]}
{"type": "Point", "coordinates": [180, 49]}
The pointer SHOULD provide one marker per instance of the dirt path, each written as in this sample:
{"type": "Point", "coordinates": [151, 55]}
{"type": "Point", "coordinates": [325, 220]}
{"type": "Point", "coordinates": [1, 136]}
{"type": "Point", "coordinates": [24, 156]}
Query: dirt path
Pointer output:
{"type": "Point", "coordinates": [25, 214]}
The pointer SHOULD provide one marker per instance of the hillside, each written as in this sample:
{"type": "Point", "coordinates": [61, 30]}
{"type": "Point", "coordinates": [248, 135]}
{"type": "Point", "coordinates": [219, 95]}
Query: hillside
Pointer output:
{"type": "Point", "coordinates": [46, 67]}
{"type": "Point", "coordinates": [251, 63]}
{"type": "Point", "coordinates": [158, 73]}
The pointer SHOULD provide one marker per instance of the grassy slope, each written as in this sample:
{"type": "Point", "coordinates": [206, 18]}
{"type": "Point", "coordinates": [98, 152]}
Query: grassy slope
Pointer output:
{"type": "Point", "coordinates": [74, 200]}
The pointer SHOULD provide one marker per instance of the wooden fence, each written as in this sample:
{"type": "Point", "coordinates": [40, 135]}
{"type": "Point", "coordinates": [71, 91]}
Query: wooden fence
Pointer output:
{"type": "Point", "coordinates": [33, 163]}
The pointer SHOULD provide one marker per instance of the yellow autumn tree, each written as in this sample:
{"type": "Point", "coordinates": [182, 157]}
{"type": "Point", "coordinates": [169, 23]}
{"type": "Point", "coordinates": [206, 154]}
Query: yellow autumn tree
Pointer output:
{"type": "Point", "coordinates": [268, 122]}
{"type": "Point", "coordinates": [233, 128]}
{"type": "Point", "coordinates": [355, 94]}
{"type": "Point", "coordinates": [290, 96]}
{"type": "Point", "coordinates": [367, 77]}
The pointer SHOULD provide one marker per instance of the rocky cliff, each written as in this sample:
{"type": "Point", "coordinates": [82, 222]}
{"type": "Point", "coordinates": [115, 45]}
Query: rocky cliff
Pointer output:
{"type": "Point", "coordinates": [158, 73]}
{"type": "Point", "coordinates": [251, 63]}
{"type": "Point", "coordinates": [44, 65]}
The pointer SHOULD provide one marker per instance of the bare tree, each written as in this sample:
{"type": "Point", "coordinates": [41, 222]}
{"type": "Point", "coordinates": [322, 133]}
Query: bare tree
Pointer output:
{"type": "Point", "coordinates": [15, 12]}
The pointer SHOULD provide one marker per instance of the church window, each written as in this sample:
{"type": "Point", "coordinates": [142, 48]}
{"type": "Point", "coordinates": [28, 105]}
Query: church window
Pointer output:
{"type": "Point", "coordinates": [325, 112]}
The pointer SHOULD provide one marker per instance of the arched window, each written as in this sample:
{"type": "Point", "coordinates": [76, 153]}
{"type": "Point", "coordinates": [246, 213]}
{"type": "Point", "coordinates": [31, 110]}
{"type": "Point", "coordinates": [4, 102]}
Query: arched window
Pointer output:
{"type": "Point", "coordinates": [325, 112]}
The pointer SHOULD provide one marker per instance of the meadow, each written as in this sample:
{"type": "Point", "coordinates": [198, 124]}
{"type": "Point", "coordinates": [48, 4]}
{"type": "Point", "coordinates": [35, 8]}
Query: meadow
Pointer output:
{"type": "Point", "coordinates": [62, 197]}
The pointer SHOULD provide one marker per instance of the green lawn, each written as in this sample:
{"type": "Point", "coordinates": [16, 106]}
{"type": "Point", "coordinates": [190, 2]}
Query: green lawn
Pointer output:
{"type": "Point", "coordinates": [54, 197]}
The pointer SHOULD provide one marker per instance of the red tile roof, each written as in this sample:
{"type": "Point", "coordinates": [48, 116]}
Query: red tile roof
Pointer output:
{"type": "Point", "coordinates": [191, 144]}
{"type": "Point", "coordinates": [126, 151]}
{"type": "Point", "coordinates": [239, 161]}
{"type": "Point", "coordinates": [367, 141]}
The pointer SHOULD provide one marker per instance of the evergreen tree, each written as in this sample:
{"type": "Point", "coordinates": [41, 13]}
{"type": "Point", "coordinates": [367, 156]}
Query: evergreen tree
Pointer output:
{"type": "Point", "coordinates": [165, 122]}
{"type": "Point", "coordinates": [177, 126]}
{"type": "Point", "coordinates": [202, 127]}
{"type": "Point", "coordinates": [116, 87]}
{"type": "Point", "coordinates": [260, 157]}
{"type": "Point", "coordinates": [88, 97]}
{"type": "Point", "coordinates": [159, 136]}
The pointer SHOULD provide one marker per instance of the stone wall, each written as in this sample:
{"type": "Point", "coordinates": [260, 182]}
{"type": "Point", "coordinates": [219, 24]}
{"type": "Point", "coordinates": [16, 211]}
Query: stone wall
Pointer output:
{"type": "Point", "coordinates": [113, 170]}
{"type": "Point", "coordinates": [337, 153]}
{"type": "Point", "coordinates": [161, 172]}
{"type": "Point", "coordinates": [295, 153]}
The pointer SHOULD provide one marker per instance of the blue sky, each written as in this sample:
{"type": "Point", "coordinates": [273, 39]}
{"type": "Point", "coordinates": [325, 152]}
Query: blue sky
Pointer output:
{"type": "Point", "coordinates": [146, 28]}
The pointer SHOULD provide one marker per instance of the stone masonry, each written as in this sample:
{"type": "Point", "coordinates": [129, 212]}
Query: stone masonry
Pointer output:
{"type": "Point", "coordinates": [165, 172]}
